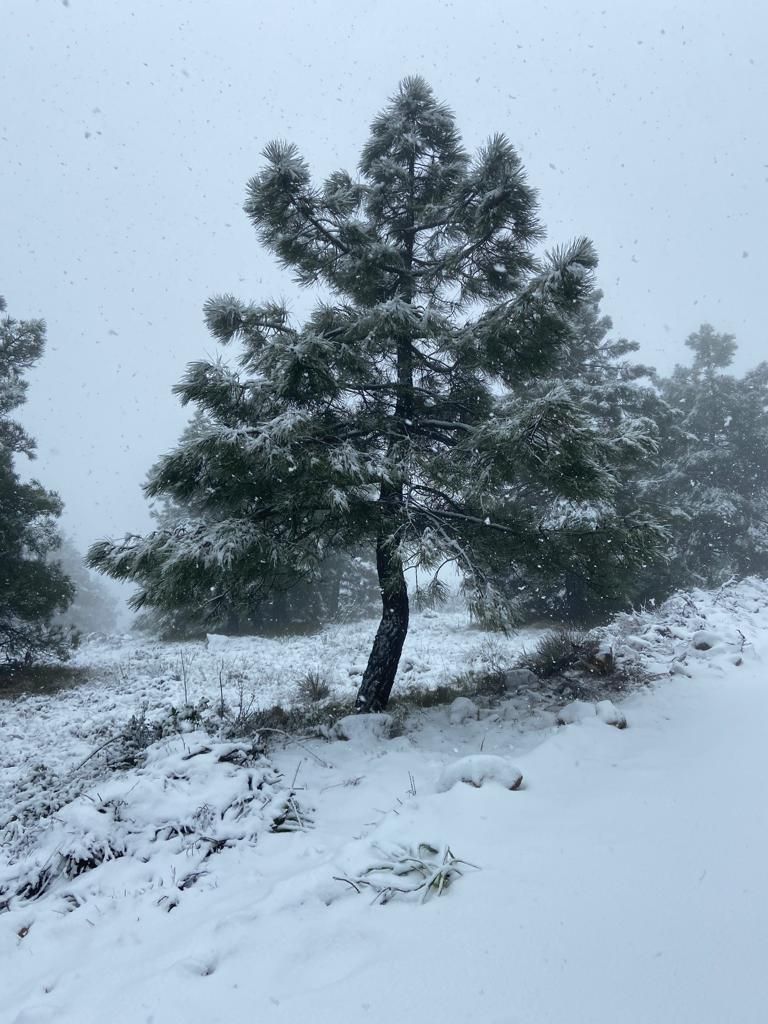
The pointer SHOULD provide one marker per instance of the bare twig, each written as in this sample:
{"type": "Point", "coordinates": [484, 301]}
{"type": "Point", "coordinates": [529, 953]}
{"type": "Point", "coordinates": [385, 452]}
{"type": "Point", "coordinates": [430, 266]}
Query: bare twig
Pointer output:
{"type": "Point", "coordinates": [95, 752]}
{"type": "Point", "coordinates": [292, 802]}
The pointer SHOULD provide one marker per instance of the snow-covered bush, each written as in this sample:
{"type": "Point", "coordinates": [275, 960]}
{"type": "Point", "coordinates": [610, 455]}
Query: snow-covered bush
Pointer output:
{"type": "Point", "coordinates": [193, 797]}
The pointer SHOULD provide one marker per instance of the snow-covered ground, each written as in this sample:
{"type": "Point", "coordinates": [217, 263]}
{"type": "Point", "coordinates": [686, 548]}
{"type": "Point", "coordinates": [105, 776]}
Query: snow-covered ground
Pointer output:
{"type": "Point", "coordinates": [623, 882]}
{"type": "Point", "coordinates": [45, 738]}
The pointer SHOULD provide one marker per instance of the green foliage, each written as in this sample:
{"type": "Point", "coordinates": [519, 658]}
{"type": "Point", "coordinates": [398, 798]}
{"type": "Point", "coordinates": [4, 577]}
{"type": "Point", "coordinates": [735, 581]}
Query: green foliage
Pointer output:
{"type": "Point", "coordinates": [558, 650]}
{"type": "Point", "coordinates": [713, 474]}
{"type": "Point", "coordinates": [32, 589]}
{"type": "Point", "coordinates": [181, 600]}
{"type": "Point", "coordinates": [594, 563]}
{"type": "Point", "coordinates": [405, 416]}
{"type": "Point", "coordinates": [313, 687]}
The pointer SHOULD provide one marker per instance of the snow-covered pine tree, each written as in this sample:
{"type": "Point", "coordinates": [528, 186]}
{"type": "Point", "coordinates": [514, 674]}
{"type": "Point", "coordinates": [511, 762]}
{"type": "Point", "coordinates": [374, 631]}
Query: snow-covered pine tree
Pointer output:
{"type": "Point", "coordinates": [32, 590]}
{"type": "Point", "coordinates": [396, 416]}
{"type": "Point", "coordinates": [583, 575]}
{"type": "Point", "coordinates": [715, 468]}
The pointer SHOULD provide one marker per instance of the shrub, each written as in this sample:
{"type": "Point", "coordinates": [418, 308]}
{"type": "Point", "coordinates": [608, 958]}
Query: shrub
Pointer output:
{"type": "Point", "coordinates": [312, 688]}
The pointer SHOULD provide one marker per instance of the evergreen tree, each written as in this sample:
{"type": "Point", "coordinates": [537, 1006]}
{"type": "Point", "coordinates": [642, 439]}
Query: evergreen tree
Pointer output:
{"type": "Point", "coordinates": [397, 416]}
{"type": "Point", "coordinates": [93, 608]}
{"type": "Point", "coordinates": [715, 478]}
{"type": "Point", "coordinates": [583, 575]}
{"type": "Point", "coordinates": [32, 590]}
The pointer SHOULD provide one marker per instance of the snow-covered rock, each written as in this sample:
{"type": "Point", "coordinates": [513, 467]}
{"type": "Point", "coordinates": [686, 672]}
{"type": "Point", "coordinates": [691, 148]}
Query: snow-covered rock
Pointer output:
{"type": "Point", "coordinates": [576, 711]}
{"type": "Point", "coordinates": [704, 640]}
{"type": "Point", "coordinates": [462, 709]}
{"type": "Point", "coordinates": [677, 668]}
{"type": "Point", "coordinates": [608, 712]}
{"type": "Point", "coordinates": [477, 769]}
{"type": "Point", "coordinates": [363, 728]}
{"type": "Point", "coordinates": [516, 678]}
{"type": "Point", "coordinates": [584, 710]}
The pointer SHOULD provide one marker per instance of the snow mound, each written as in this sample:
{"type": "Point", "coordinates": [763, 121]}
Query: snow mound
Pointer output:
{"type": "Point", "coordinates": [364, 728]}
{"type": "Point", "coordinates": [477, 769]}
{"type": "Point", "coordinates": [607, 712]}
{"type": "Point", "coordinates": [700, 626]}
{"type": "Point", "coordinates": [705, 640]}
{"type": "Point", "coordinates": [584, 710]}
{"type": "Point", "coordinates": [576, 711]}
{"type": "Point", "coordinates": [461, 710]}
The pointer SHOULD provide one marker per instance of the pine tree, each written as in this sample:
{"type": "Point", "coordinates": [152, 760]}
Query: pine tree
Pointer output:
{"type": "Point", "coordinates": [715, 480]}
{"type": "Point", "coordinates": [93, 608]}
{"type": "Point", "coordinates": [397, 416]}
{"type": "Point", "coordinates": [583, 575]}
{"type": "Point", "coordinates": [32, 589]}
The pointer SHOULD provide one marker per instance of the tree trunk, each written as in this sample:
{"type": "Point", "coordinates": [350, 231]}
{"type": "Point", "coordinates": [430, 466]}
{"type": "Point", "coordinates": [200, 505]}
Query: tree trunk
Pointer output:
{"type": "Point", "coordinates": [379, 675]}
{"type": "Point", "coordinates": [380, 672]}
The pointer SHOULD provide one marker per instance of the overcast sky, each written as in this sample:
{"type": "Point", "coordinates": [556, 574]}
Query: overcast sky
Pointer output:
{"type": "Point", "coordinates": [129, 129]}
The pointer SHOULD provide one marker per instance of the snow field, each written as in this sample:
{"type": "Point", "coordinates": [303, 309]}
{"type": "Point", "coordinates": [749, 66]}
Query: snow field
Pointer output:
{"type": "Point", "coordinates": [624, 882]}
{"type": "Point", "coordinates": [45, 737]}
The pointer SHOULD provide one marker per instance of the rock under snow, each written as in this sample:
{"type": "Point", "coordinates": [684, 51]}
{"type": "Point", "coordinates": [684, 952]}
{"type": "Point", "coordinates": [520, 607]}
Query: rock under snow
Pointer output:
{"type": "Point", "coordinates": [581, 710]}
{"type": "Point", "coordinates": [514, 678]}
{"type": "Point", "coordinates": [364, 727]}
{"type": "Point", "coordinates": [608, 712]}
{"type": "Point", "coordinates": [462, 709]}
{"type": "Point", "coordinates": [477, 769]}
{"type": "Point", "coordinates": [576, 711]}
{"type": "Point", "coordinates": [704, 640]}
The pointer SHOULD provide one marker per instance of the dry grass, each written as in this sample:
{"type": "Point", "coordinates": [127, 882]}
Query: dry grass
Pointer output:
{"type": "Point", "coordinates": [23, 681]}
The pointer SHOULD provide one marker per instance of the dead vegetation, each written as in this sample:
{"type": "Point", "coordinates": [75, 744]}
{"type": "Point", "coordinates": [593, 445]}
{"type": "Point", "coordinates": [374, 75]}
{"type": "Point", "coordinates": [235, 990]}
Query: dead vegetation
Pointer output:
{"type": "Point", "coordinates": [35, 680]}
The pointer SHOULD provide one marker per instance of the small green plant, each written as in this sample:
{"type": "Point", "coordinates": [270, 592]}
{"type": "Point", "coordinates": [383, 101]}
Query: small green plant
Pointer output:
{"type": "Point", "coordinates": [309, 720]}
{"type": "Point", "coordinates": [137, 734]}
{"type": "Point", "coordinates": [409, 872]}
{"type": "Point", "coordinates": [434, 696]}
{"type": "Point", "coordinates": [313, 687]}
{"type": "Point", "coordinates": [557, 651]}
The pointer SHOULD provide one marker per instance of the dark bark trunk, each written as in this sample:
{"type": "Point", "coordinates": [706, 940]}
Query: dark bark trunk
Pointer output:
{"type": "Point", "coordinates": [380, 672]}
{"type": "Point", "coordinates": [379, 675]}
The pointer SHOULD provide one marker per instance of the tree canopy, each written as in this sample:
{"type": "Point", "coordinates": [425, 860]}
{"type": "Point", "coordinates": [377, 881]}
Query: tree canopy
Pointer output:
{"type": "Point", "coordinates": [32, 588]}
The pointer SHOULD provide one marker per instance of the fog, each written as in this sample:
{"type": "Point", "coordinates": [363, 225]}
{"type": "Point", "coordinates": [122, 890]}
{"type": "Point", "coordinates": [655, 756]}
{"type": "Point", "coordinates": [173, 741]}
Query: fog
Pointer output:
{"type": "Point", "coordinates": [129, 130]}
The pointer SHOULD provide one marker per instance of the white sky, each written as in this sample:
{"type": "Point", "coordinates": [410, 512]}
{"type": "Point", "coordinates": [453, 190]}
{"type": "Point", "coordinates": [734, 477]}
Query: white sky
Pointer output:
{"type": "Point", "coordinates": [129, 128]}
